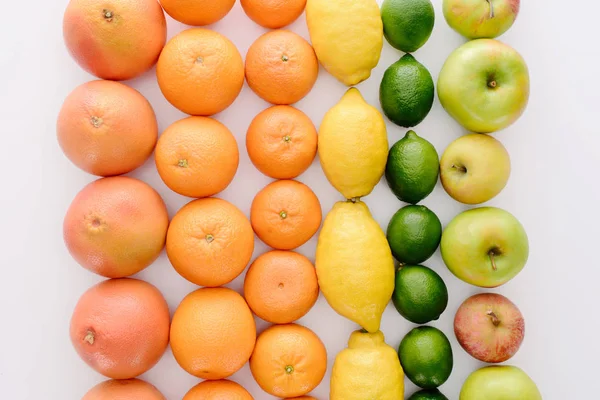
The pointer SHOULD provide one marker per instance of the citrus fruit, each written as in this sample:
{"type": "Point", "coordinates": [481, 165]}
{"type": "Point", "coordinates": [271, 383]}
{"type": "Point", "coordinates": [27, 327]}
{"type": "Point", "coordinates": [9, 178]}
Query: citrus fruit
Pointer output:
{"type": "Point", "coordinates": [281, 286]}
{"type": "Point", "coordinates": [200, 72]}
{"type": "Point", "coordinates": [124, 389]}
{"type": "Point", "coordinates": [212, 333]}
{"type": "Point", "coordinates": [367, 369]}
{"type": "Point", "coordinates": [96, 132]}
{"type": "Point", "coordinates": [353, 145]}
{"type": "Point", "coordinates": [210, 242]}
{"type": "Point", "coordinates": [354, 264]}
{"type": "Point", "coordinates": [120, 327]}
{"type": "Point", "coordinates": [426, 356]}
{"type": "Point", "coordinates": [282, 142]}
{"type": "Point", "coordinates": [302, 398]}
{"type": "Point", "coordinates": [115, 39]}
{"type": "Point", "coordinates": [273, 14]}
{"type": "Point", "coordinates": [347, 36]}
{"type": "Point", "coordinates": [414, 234]}
{"type": "Point", "coordinates": [218, 390]}
{"type": "Point", "coordinates": [197, 12]}
{"type": "Point", "coordinates": [420, 294]}
{"type": "Point", "coordinates": [406, 92]}
{"type": "Point", "coordinates": [281, 67]}
{"type": "Point", "coordinates": [197, 157]}
{"type": "Point", "coordinates": [288, 360]}
{"type": "Point", "coordinates": [116, 227]}
{"type": "Point", "coordinates": [285, 214]}
{"type": "Point", "coordinates": [432, 394]}
{"type": "Point", "coordinates": [407, 24]}
{"type": "Point", "coordinates": [412, 168]}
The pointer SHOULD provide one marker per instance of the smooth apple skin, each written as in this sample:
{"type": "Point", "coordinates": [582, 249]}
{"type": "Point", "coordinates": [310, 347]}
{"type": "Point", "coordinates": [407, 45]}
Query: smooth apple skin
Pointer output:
{"type": "Point", "coordinates": [484, 85]}
{"type": "Point", "coordinates": [473, 19]}
{"type": "Point", "coordinates": [489, 327]}
{"type": "Point", "coordinates": [499, 382]}
{"type": "Point", "coordinates": [475, 168]}
{"type": "Point", "coordinates": [474, 237]}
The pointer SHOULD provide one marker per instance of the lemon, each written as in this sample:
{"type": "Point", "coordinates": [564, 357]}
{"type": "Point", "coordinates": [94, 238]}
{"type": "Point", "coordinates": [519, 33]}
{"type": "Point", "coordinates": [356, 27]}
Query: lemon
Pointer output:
{"type": "Point", "coordinates": [354, 264]}
{"type": "Point", "coordinates": [367, 369]}
{"type": "Point", "coordinates": [347, 36]}
{"type": "Point", "coordinates": [353, 145]}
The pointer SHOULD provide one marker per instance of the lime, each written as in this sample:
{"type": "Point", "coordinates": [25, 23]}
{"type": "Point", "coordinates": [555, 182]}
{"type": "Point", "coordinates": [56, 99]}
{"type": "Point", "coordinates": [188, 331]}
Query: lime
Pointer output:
{"type": "Point", "coordinates": [406, 92]}
{"type": "Point", "coordinates": [432, 394]}
{"type": "Point", "coordinates": [407, 24]}
{"type": "Point", "coordinates": [420, 294]}
{"type": "Point", "coordinates": [412, 168]}
{"type": "Point", "coordinates": [426, 357]}
{"type": "Point", "coordinates": [414, 234]}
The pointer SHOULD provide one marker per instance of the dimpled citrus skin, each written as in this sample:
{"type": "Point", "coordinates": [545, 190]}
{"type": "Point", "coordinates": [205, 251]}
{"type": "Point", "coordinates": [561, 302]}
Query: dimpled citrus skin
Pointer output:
{"type": "Point", "coordinates": [120, 327]}
{"type": "Point", "coordinates": [200, 72]}
{"type": "Point", "coordinates": [116, 227]}
{"type": "Point", "coordinates": [96, 132]}
{"type": "Point", "coordinates": [218, 390]}
{"type": "Point", "coordinates": [213, 333]}
{"type": "Point", "coordinates": [197, 12]}
{"type": "Point", "coordinates": [126, 389]}
{"type": "Point", "coordinates": [273, 14]}
{"type": "Point", "coordinates": [115, 39]}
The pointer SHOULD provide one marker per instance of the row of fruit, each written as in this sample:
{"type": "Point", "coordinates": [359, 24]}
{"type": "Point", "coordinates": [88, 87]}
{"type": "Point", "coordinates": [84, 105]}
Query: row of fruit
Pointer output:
{"type": "Point", "coordinates": [117, 226]}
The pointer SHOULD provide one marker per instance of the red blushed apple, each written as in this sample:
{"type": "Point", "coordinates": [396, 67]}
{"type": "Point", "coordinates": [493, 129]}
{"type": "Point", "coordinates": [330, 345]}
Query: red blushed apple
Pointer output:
{"type": "Point", "coordinates": [489, 327]}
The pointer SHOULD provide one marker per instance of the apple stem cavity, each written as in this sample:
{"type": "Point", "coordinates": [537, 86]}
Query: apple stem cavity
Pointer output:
{"type": "Point", "coordinates": [492, 254]}
{"type": "Point", "coordinates": [461, 168]}
{"type": "Point", "coordinates": [494, 318]}
{"type": "Point", "coordinates": [492, 15]}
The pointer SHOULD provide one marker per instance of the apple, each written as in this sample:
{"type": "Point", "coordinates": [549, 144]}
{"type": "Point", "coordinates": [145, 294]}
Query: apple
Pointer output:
{"type": "Point", "coordinates": [485, 246]}
{"type": "Point", "coordinates": [484, 85]}
{"type": "Point", "coordinates": [475, 19]}
{"type": "Point", "coordinates": [489, 327]}
{"type": "Point", "coordinates": [499, 382]}
{"type": "Point", "coordinates": [474, 168]}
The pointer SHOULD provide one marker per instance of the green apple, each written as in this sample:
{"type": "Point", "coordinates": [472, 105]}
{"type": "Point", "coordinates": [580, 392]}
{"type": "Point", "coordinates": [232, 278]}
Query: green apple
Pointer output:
{"type": "Point", "coordinates": [484, 85]}
{"type": "Point", "coordinates": [474, 168]}
{"type": "Point", "coordinates": [502, 382]}
{"type": "Point", "coordinates": [485, 246]}
{"type": "Point", "coordinates": [475, 19]}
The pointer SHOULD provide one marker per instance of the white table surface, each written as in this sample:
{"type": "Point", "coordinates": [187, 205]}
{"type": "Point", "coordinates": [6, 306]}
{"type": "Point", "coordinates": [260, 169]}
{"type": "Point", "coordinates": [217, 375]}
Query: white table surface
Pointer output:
{"type": "Point", "coordinates": [553, 190]}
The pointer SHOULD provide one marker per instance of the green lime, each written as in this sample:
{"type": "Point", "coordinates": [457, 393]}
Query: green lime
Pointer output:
{"type": "Point", "coordinates": [426, 357]}
{"type": "Point", "coordinates": [432, 394]}
{"type": "Point", "coordinates": [420, 294]}
{"type": "Point", "coordinates": [407, 24]}
{"type": "Point", "coordinates": [406, 92]}
{"type": "Point", "coordinates": [414, 234]}
{"type": "Point", "coordinates": [412, 168]}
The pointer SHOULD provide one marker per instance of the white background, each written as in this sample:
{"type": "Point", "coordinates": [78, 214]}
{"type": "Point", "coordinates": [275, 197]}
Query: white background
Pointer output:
{"type": "Point", "coordinates": [553, 190]}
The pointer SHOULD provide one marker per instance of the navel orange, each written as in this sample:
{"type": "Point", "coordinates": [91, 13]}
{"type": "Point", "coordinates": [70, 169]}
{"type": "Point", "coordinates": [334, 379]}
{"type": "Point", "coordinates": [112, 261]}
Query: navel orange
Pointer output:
{"type": "Point", "coordinates": [281, 67]}
{"type": "Point", "coordinates": [197, 12]}
{"type": "Point", "coordinates": [218, 390]}
{"type": "Point", "coordinates": [282, 142]}
{"type": "Point", "coordinates": [273, 14]}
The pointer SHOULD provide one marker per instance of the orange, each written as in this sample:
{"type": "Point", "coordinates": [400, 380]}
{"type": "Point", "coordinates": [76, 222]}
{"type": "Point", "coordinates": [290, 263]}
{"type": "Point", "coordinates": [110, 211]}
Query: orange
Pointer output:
{"type": "Point", "coordinates": [116, 226]}
{"type": "Point", "coordinates": [200, 72]}
{"type": "Point", "coordinates": [281, 67]}
{"type": "Point", "coordinates": [218, 390]}
{"type": "Point", "coordinates": [282, 142]}
{"type": "Point", "coordinates": [281, 286]}
{"type": "Point", "coordinates": [126, 389]}
{"type": "Point", "coordinates": [273, 14]}
{"type": "Point", "coordinates": [120, 327]}
{"type": "Point", "coordinates": [288, 360]}
{"type": "Point", "coordinates": [197, 157]}
{"type": "Point", "coordinates": [97, 133]}
{"type": "Point", "coordinates": [302, 398]}
{"type": "Point", "coordinates": [210, 242]}
{"type": "Point", "coordinates": [197, 12]}
{"type": "Point", "coordinates": [212, 333]}
{"type": "Point", "coordinates": [115, 39]}
{"type": "Point", "coordinates": [285, 214]}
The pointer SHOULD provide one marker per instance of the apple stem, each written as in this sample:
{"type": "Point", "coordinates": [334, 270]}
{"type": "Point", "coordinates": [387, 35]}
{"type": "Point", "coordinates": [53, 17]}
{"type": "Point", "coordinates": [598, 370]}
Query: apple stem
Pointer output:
{"type": "Point", "coordinates": [494, 317]}
{"type": "Point", "coordinates": [492, 254]}
{"type": "Point", "coordinates": [461, 168]}
{"type": "Point", "coordinates": [491, 8]}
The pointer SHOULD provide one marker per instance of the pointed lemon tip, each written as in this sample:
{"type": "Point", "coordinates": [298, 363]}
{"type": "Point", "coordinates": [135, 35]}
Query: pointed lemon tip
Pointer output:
{"type": "Point", "coordinates": [353, 94]}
